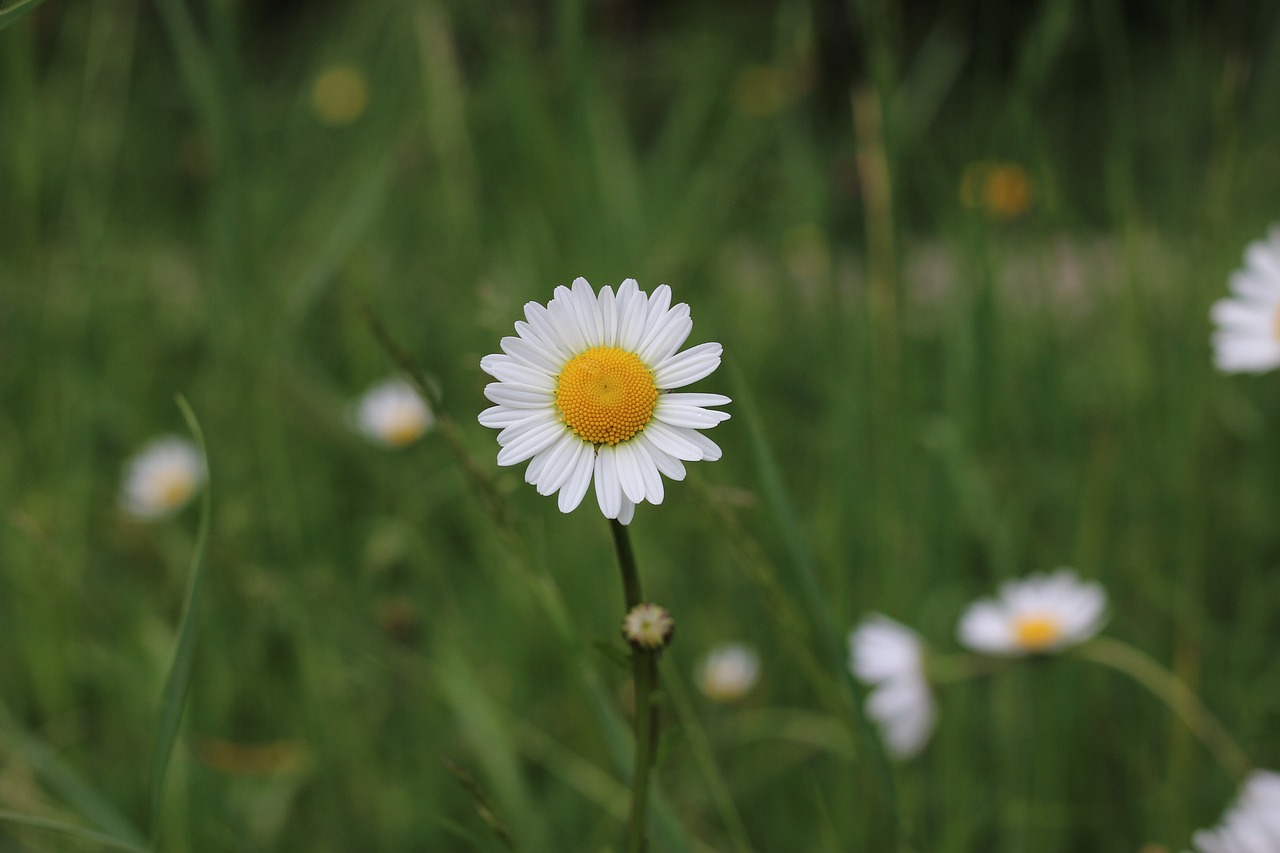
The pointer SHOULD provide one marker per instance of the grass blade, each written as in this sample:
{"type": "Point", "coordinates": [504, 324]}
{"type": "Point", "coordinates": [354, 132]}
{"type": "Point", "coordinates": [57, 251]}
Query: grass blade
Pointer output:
{"type": "Point", "coordinates": [12, 14]}
{"type": "Point", "coordinates": [178, 681]}
{"type": "Point", "coordinates": [64, 781]}
{"type": "Point", "coordinates": [828, 638]}
{"type": "Point", "coordinates": [69, 829]}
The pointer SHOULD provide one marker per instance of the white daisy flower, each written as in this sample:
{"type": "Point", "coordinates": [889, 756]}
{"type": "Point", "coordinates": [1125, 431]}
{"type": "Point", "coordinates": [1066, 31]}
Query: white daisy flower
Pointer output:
{"type": "Point", "coordinates": [1251, 824]}
{"type": "Point", "coordinates": [889, 656]}
{"type": "Point", "coordinates": [1247, 338]}
{"type": "Point", "coordinates": [393, 414]}
{"type": "Point", "coordinates": [1041, 614]}
{"type": "Point", "coordinates": [728, 672]}
{"type": "Point", "coordinates": [584, 393]}
{"type": "Point", "coordinates": [161, 478]}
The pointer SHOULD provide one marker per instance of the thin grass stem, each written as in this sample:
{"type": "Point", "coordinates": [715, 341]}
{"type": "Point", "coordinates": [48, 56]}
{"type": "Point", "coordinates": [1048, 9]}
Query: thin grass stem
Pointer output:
{"type": "Point", "coordinates": [1175, 693]}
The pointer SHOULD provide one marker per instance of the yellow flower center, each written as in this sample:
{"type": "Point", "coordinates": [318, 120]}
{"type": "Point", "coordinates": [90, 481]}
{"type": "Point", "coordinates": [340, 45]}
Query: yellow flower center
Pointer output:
{"type": "Point", "coordinates": [1036, 632]}
{"type": "Point", "coordinates": [404, 428]}
{"type": "Point", "coordinates": [173, 488]}
{"type": "Point", "coordinates": [606, 395]}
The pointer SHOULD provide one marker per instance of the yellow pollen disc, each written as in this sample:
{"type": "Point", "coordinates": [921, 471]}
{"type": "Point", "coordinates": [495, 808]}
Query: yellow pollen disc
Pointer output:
{"type": "Point", "coordinates": [174, 489]}
{"type": "Point", "coordinates": [1036, 633]}
{"type": "Point", "coordinates": [404, 431]}
{"type": "Point", "coordinates": [606, 395]}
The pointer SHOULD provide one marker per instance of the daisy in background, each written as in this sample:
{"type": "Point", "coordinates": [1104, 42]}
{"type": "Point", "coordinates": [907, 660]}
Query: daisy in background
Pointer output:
{"type": "Point", "coordinates": [393, 414]}
{"type": "Point", "coordinates": [1247, 337]}
{"type": "Point", "coordinates": [584, 394]}
{"type": "Point", "coordinates": [889, 657]}
{"type": "Point", "coordinates": [728, 672]}
{"type": "Point", "coordinates": [1251, 824]}
{"type": "Point", "coordinates": [161, 478]}
{"type": "Point", "coordinates": [1038, 615]}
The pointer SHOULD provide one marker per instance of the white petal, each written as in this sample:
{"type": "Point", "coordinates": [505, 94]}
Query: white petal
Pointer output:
{"type": "Point", "coordinates": [608, 317]}
{"type": "Point", "coordinates": [653, 490]}
{"type": "Point", "coordinates": [548, 332]}
{"type": "Point", "coordinates": [667, 464]}
{"type": "Point", "coordinates": [627, 512]}
{"type": "Point", "coordinates": [661, 342]}
{"type": "Point", "coordinates": [531, 442]}
{"type": "Point", "coordinates": [629, 475]}
{"type": "Point", "coordinates": [510, 371]}
{"type": "Point", "coordinates": [562, 458]}
{"type": "Point", "coordinates": [518, 396]}
{"type": "Point", "coordinates": [566, 321]}
{"type": "Point", "coordinates": [689, 366]}
{"type": "Point", "coordinates": [572, 492]}
{"type": "Point", "coordinates": [631, 320]}
{"type": "Point", "coordinates": [536, 419]}
{"type": "Point", "coordinates": [608, 489]}
{"type": "Point", "coordinates": [687, 399]}
{"type": "Point", "coordinates": [710, 450]}
{"type": "Point", "coordinates": [588, 310]}
{"type": "Point", "coordinates": [672, 440]}
{"type": "Point", "coordinates": [659, 302]}
{"type": "Point", "coordinates": [533, 473]}
{"type": "Point", "coordinates": [498, 417]}
{"type": "Point", "coordinates": [531, 354]}
{"type": "Point", "coordinates": [985, 628]}
{"type": "Point", "coordinates": [694, 417]}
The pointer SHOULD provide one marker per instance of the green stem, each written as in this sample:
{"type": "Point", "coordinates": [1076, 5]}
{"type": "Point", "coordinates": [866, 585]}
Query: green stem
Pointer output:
{"type": "Point", "coordinates": [644, 674]}
{"type": "Point", "coordinates": [1180, 698]}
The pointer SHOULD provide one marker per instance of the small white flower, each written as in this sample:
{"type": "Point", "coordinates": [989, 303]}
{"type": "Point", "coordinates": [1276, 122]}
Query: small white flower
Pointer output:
{"type": "Point", "coordinates": [161, 478]}
{"type": "Point", "coordinates": [728, 672]}
{"type": "Point", "coordinates": [393, 414]}
{"type": "Point", "coordinates": [1247, 338]}
{"type": "Point", "coordinates": [889, 656]}
{"type": "Point", "coordinates": [1041, 614]}
{"type": "Point", "coordinates": [1251, 824]}
{"type": "Point", "coordinates": [583, 393]}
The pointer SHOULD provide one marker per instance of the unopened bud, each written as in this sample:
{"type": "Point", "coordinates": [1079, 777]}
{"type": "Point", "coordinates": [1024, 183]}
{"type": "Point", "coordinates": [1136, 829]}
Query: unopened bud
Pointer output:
{"type": "Point", "coordinates": [648, 627]}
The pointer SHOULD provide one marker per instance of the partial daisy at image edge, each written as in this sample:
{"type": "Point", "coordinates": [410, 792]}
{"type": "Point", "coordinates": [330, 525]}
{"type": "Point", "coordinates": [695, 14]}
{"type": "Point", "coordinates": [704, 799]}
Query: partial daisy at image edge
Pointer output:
{"type": "Point", "coordinates": [586, 393]}
{"type": "Point", "coordinates": [1251, 824]}
{"type": "Point", "coordinates": [1246, 337]}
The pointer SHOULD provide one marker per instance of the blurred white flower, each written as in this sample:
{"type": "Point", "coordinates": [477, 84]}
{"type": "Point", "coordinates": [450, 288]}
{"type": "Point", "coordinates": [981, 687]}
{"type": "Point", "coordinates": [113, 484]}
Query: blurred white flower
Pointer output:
{"type": "Point", "coordinates": [393, 414]}
{"type": "Point", "coordinates": [1251, 824]}
{"type": "Point", "coordinates": [728, 672]}
{"type": "Point", "coordinates": [1037, 615]}
{"type": "Point", "coordinates": [889, 656]}
{"type": "Point", "coordinates": [161, 478]}
{"type": "Point", "coordinates": [586, 392]}
{"type": "Point", "coordinates": [1247, 337]}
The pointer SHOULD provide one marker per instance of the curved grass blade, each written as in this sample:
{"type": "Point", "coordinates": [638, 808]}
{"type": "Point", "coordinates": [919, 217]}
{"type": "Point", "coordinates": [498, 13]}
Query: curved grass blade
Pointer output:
{"type": "Point", "coordinates": [12, 14]}
{"type": "Point", "coordinates": [178, 682]}
{"type": "Point", "coordinates": [64, 781]}
{"type": "Point", "coordinates": [828, 638]}
{"type": "Point", "coordinates": [69, 829]}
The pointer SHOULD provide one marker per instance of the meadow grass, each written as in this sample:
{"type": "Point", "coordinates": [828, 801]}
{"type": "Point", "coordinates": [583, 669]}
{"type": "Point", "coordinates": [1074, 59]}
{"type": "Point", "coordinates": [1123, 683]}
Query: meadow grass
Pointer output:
{"type": "Point", "coordinates": [928, 400]}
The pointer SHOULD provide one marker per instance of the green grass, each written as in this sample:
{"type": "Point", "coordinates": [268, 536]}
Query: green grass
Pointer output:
{"type": "Point", "coordinates": [1007, 397]}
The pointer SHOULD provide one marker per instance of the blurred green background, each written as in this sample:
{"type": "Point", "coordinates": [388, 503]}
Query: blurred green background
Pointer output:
{"type": "Point", "coordinates": [960, 256]}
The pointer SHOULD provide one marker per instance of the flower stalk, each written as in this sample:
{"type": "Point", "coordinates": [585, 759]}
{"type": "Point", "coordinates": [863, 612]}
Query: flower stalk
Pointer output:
{"type": "Point", "coordinates": [644, 674]}
{"type": "Point", "coordinates": [1180, 698]}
